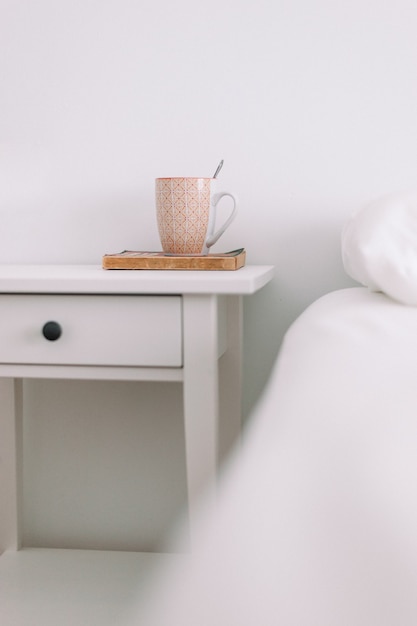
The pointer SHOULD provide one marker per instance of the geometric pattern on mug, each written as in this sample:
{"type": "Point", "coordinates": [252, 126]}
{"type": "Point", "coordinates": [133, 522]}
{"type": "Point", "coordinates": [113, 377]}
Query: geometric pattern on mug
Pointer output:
{"type": "Point", "coordinates": [182, 211]}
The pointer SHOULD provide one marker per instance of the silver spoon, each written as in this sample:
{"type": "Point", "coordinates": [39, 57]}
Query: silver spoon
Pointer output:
{"type": "Point", "coordinates": [219, 167]}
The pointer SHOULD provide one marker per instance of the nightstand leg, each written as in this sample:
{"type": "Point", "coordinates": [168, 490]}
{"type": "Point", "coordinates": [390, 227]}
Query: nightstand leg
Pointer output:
{"type": "Point", "coordinates": [230, 380]}
{"type": "Point", "coordinates": [201, 398]}
{"type": "Point", "coordinates": [10, 463]}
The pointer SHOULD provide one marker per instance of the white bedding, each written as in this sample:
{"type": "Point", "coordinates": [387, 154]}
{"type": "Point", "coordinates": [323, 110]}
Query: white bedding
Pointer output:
{"type": "Point", "coordinates": [317, 517]}
{"type": "Point", "coordinates": [379, 246]}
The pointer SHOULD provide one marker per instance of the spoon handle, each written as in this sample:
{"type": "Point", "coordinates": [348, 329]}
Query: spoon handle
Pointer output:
{"type": "Point", "coordinates": [219, 167]}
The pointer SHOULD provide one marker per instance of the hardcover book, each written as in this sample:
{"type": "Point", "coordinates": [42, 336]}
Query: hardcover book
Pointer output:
{"type": "Point", "coordinates": [130, 260]}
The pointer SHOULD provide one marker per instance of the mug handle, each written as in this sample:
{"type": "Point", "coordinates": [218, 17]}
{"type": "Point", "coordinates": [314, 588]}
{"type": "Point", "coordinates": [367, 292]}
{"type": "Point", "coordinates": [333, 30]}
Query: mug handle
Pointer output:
{"type": "Point", "coordinates": [216, 199]}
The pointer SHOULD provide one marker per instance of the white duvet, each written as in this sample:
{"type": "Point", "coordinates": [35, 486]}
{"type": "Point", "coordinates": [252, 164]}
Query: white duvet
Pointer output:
{"type": "Point", "coordinates": [316, 523]}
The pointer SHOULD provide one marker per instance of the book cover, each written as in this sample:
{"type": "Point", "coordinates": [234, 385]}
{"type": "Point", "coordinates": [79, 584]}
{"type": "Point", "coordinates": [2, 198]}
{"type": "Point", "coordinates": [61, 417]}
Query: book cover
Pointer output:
{"type": "Point", "coordinates": [131, 260]}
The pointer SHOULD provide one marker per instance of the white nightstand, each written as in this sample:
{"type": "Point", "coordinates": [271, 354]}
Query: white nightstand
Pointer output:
{"type": "Point", "coordinates": [83, 322]}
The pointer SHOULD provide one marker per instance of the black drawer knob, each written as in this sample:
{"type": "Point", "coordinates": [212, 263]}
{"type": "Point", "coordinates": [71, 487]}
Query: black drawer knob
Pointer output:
{"type": "Point", "coordinates": [52, 331]}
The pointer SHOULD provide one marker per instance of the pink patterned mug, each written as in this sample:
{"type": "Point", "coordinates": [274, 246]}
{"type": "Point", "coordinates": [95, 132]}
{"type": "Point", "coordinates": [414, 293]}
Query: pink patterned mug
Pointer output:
{"type": "Point", "coordinates": [186, 214]}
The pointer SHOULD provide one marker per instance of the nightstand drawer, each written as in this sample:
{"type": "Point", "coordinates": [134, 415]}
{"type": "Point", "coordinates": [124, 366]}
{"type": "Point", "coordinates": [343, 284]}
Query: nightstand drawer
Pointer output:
{"type": "Point", "coordinates": [91, 330]}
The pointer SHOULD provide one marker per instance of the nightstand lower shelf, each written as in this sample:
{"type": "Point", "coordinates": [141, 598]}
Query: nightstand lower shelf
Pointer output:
{"type": "Point", "coordinates": [44, 587]}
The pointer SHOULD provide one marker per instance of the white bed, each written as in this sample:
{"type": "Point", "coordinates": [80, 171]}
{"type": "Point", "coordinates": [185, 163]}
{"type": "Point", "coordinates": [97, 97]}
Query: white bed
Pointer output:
{"type": "Point", "coordinates": [316, 523]}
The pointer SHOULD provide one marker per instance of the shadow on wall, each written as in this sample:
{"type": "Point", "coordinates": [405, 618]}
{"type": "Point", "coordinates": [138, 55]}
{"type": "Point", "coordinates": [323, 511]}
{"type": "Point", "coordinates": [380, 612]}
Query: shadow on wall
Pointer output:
{"type": "Point", "coordinates": [78, 228]}
{"type": "Point", "coordinates": [308, 264]}
{"type": "Point", "coordinates": [261, 342]}
{"type": "Point", "coordinates": [56, 209]}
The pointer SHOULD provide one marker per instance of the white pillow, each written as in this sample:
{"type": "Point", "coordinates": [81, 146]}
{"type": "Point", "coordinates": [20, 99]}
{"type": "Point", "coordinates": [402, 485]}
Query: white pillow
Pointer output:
{"type": "Point", "coordinates": [379, 246]}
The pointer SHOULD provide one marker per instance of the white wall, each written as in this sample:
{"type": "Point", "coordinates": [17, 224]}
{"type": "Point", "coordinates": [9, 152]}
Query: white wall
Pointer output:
{"type": "Point", "coordinates": [312, 104]}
